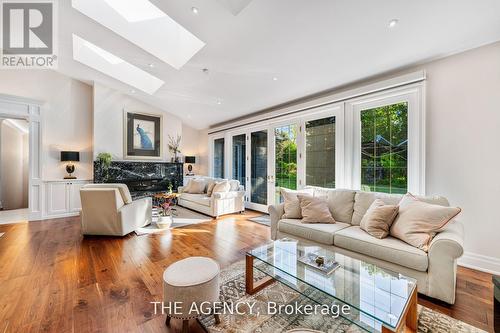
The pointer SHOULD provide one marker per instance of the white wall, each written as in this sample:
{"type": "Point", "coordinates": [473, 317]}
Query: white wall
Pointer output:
{"type": "Point", "coordinates": [462, 144]}
{"type": "Point", "coordinates": [14, 152]}
{"type": "Point", "coordinates": [108, 121]}
{"type": "Point", "coordinates": [66, 113]}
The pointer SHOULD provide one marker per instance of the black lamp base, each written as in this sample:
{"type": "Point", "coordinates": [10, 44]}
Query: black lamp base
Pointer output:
{"type": "Point", "coordinates": [70, 168]}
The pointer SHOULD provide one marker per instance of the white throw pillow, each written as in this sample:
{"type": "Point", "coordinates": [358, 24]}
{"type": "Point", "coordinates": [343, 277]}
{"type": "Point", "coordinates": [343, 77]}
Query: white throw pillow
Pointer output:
{"type": "Point", "coordinates": [291, 202]}
{"type": "Point", "coordinates": [379, 218]}
{"type": "Point", "coordinates": [222, 186]}
{"type": "Point", "coordinates": [418, 222]}
{"type": "Point", "coordinates": [234, 185]}
{"type": "Point", "coordinates": [197, 186]}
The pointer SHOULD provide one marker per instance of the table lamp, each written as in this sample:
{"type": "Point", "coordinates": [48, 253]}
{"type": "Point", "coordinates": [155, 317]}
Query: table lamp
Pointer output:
{"type": "Point", "coordinates": [70, 156]}
{"type": "Point", "coordinates": [190, 160]}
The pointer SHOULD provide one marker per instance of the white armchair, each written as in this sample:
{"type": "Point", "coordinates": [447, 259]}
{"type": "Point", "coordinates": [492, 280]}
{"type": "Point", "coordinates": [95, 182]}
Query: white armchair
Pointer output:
{"type": "Point", "coordinates": [108, 209]}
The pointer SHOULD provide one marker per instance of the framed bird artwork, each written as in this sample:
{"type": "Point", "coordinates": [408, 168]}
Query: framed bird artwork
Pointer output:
{"type": "Point", "coordinates": [142, 136]}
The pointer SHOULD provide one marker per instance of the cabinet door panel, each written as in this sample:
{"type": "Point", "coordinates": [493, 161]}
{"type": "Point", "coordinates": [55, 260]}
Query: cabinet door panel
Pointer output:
{"type": "Point", "coordinates": [57, 202]}
{"type": "Point", "coordinates": [75, 204]}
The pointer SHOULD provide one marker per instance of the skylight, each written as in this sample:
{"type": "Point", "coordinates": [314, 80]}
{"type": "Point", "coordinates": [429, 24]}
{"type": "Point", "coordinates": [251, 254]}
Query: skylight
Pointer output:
{"type": "Point", "coordinates": [105, 62]}
{"type": "Point", "coordinates": [136, 10]}
{"type": "Point", "coordinates": [145, 25]}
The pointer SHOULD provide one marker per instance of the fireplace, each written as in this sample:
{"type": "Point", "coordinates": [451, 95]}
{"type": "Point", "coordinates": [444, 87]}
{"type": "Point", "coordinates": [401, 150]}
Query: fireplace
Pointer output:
{"type": "Point", "coordinates": [142, 178]}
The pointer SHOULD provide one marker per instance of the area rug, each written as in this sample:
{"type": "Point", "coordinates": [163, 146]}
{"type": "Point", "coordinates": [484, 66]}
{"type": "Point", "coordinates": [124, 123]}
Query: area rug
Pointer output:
{"type": "Point", "coordinates": [263, 219]}
{"type": "Point", "coordinates": [233, 290]}
{"type": "Point", "coordinates": [184, 217]}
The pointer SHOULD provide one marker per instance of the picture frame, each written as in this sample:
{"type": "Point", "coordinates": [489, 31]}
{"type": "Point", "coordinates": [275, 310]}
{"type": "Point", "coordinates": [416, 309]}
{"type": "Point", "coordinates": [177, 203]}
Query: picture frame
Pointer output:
{"type": "Point", "coordinates": [142, 136]}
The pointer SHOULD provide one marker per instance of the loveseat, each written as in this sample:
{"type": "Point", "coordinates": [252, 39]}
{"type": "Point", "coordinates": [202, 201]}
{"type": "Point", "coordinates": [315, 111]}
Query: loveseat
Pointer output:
{"type": "Point", "coordinates": [435, 270]}
{"type": "Point", "coordinates": [216, 204]}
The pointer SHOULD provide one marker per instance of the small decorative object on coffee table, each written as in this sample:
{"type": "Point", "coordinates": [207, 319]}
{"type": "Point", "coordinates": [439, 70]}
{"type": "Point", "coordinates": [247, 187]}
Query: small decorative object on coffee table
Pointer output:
{"type": "Point", "coordinates": [391, 307]}
{"type": "Point", "coordinates": [496, 293]}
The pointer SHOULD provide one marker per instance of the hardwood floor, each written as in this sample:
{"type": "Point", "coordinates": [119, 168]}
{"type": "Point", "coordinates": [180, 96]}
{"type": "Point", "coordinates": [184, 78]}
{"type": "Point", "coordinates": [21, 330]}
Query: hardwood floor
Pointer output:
{"type": "Point", "coordinates": [54, 280]}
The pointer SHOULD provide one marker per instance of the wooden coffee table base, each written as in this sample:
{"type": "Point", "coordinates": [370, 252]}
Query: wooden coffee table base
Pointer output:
{"type": "Point", "coordinates": [251, 286]}
{"type": "Point", "coordinates": [409, 320]}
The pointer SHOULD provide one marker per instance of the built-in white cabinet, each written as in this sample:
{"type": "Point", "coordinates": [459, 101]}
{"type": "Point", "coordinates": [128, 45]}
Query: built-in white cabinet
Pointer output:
{"type": "Point", "coordinates": [63, 197]}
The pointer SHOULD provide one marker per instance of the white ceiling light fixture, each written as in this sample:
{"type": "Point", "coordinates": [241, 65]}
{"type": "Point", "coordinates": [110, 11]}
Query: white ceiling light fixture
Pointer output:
{"type": "Point", "coordinates": [145, 25]}
{"type": "Point", "coordinates": [219, 101]}
{"type": "Point", "coordinates": [393, 23]}
{"type": "Point", "coordinates": [195, 10]}
{"type": "Point", "coordinates": [275, 78]}
{"type": "Point", "coordinates": [105, 62]}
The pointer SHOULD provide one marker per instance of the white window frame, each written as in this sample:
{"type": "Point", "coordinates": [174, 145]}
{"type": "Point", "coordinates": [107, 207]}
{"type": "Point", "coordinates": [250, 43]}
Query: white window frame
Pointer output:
{"type": "Point", "coordinates": [413, 95]}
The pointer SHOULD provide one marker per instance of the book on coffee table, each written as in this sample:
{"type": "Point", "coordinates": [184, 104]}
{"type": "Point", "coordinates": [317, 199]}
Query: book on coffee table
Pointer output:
{"type": "Point", "coordinates": [327, 267]}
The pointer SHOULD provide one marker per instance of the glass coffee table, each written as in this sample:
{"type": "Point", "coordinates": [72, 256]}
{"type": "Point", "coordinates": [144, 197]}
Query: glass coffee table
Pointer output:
{"type": "Point", "coordinates": [379, 300]}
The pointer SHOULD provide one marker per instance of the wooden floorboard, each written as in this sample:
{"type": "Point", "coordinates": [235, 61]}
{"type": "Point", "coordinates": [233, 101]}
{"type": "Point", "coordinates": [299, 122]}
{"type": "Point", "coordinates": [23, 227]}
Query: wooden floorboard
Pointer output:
{"type": "Point", "coordinates": [54, 280]}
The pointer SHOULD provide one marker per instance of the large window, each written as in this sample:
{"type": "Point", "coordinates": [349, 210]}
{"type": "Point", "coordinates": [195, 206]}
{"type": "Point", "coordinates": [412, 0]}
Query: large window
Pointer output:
{"type": "Point", "coordinates": [219, 158]}
{"type": "Point", "coordinates": [320, 152]}
{"type": "Point", "coordinates": [239, 158]}
{"type": "Point", "coordinates": [285, 158]}
{"type": "Point", "coordinates": [384, 148]}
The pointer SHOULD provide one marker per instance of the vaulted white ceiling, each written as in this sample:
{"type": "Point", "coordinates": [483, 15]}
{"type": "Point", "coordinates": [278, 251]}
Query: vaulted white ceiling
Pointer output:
{"type": "Point", "coordinates": [261, 53]}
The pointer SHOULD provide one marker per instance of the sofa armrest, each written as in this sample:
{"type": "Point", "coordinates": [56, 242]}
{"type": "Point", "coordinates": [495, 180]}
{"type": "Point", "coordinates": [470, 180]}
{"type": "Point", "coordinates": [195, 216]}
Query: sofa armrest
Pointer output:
{"type": "Point", "coordinates": [136, 214]}
{"type": "Point", "coordinates": [275, 213]}
{"type": "Point", "coordinates": [228, 195]}
{"type": "Point", "coordinates": [443, 253]}
{"type": "Point", "coordinates": [180, 189]}
{"type": "Point", "coordinates": [450, 241]}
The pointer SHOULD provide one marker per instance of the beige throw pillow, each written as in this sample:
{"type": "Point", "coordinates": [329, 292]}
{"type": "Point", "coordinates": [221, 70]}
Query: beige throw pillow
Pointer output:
{"type": "Point", "coordinates": [210, 188]}
{"type": "Point", "coordinates": [378, 219]}
{"type": "Point", "coordinates": [314, 210]}
{"type": "Point", "coordinates": [222, 186]}
{"type": "Point", "coordinates": [291, 202]}
{"type": "Point", "coordinates": [418, 222]}
{"type": "Point", "coordinates": [196, 186]}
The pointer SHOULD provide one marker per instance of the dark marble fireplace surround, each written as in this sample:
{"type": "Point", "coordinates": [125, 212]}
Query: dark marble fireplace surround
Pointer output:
{"type": "Point", "coordinates": [142, 178]}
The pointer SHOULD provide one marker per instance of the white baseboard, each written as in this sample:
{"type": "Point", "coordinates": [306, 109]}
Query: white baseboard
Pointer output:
{"type": "Point", "coordinates": [480, 262]}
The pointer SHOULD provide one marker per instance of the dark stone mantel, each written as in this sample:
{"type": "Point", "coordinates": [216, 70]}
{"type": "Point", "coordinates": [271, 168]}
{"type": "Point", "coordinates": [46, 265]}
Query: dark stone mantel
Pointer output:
{"type": "Point", "coordinates": [142, 178]}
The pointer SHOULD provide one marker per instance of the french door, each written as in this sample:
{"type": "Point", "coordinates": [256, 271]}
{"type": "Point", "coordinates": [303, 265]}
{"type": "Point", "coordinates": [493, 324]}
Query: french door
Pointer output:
{"type": "Point", "coordinates": [302, 151]}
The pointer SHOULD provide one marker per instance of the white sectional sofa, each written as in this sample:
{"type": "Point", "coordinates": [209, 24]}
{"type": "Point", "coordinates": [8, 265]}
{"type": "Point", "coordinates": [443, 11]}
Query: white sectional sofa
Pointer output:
{"type": "Point", "coordinates": [219, 203]}
{"type": "Point", "coordinates": [435, 270]}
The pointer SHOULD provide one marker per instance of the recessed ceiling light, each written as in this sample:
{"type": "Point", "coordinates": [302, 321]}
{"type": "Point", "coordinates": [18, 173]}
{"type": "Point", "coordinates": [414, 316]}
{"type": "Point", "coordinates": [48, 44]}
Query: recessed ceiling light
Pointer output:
{"type": "Point", "coordinates": [275, 78]}
{"type": "Point", "coordinates": [132, 91]}
{"type": "Point", "coordinates": [144, 24]}
{"type": "Point", "coordinates": [393, 23]}
{"type": "Point", "coordinates": [195, 10]}
{"type": "Point", "coordinates": [151, 65]}
{"type": "Point", "coordinates": [107, 63]}
{"type": "Point", "coordinates": [219, 102]}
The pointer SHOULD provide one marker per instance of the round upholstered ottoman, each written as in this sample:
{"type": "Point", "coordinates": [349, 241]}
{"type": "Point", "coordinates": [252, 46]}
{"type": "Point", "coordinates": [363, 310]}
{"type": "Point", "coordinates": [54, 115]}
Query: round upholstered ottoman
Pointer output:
{"type": "Point", "coordinates": [188, 281]}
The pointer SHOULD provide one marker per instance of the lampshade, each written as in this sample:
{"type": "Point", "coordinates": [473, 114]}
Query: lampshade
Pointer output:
{"type": "Point", "coordinates": [70, 156]}
{"type": "Point", "coordinates": [190, 159]}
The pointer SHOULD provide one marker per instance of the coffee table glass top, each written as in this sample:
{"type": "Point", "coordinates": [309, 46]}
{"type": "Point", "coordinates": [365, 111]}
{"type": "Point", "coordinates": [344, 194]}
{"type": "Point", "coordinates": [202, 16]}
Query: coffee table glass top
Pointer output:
{"type": "Point", "coordinates": [376, 296]}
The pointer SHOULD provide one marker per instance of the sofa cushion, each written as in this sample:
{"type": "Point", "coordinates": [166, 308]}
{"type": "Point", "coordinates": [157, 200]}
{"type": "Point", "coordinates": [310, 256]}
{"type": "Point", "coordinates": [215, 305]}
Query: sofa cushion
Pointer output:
{"type": "Point", "coordinates": [314, 209]}
{"type": "Point", "coordinates": [389, 249]}
{"type": "Point", "coordinates": [318, 232]}
{"type": "Point", "coordinates": [340, 202]}
{"type": "Point", "coordinates": [378, 219]}
{"type": "Point", "coordinates": [196, 186]}
{"type": "Point", "coordinates": [363, 200]}
{"type": "Point", "coordinates": [201, 199]}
